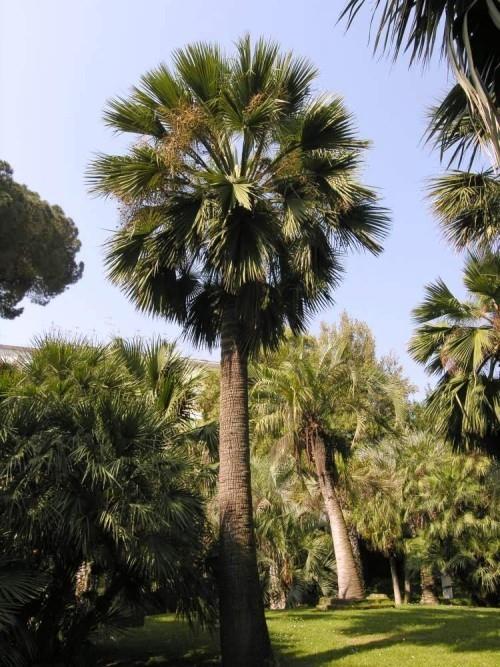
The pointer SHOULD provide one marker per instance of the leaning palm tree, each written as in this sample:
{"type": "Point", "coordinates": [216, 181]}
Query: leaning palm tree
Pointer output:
{"type": "Point", "coordinates": [315, 397]}
{"type": "Point", "coordinates": [469, 34]}
{"type": "Point", "coordinates": [459, 341]}
{"type": "Point", "coordinates": [237, 195]}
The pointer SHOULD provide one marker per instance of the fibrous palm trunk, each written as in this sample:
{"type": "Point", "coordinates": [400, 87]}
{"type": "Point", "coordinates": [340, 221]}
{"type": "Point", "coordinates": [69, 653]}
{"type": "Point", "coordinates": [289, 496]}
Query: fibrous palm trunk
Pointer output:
{"type": "Point", "coordinates": [428, 586]}
{"type": "Point", "coordinates": [353, 537]}
{"type": "Point", "coordinates": [350, 586]}
{"type": "Point", "coordinates": [277, 594]}
{"type": "Point", "coordinates": [244, 636]}
{"type": "Point", "coordinates": [395, 581]}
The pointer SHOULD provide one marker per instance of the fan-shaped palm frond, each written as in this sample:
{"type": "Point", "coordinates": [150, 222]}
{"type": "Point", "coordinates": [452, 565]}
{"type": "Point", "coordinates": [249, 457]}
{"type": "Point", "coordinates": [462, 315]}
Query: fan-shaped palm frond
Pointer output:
{"type": "Point", "coordinates": [229, 150]}
{"type": "Point", "coordinates": [459, 341]}
{"type": "Point", "coordinates": [468, 32]}
{"type": "Point", "coordinates": [468, 209]}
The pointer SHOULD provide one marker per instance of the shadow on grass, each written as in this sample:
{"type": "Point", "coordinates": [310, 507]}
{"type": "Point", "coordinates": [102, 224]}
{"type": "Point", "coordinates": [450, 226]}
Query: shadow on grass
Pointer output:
{"type": "Point", "coordinates": [166, 642]}
{"type": "Point", "coordinates": [162, 642]}
{"type": "Point", "coordinates": [458, 630]}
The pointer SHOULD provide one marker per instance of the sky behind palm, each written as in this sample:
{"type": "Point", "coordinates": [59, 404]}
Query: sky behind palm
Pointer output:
{"type": "Point", "coordinates": [59, 63]}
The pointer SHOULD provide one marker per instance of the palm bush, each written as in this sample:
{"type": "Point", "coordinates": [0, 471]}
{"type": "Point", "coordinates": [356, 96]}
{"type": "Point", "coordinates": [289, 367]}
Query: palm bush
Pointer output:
{"type": "Point", "coordinates": [239, 193]}
{"type": "Point", "coordinates": [98, 500]}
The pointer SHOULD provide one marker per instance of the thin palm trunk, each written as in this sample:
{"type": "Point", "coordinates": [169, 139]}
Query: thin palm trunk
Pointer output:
{"type": "Point", "coordinates": [244, 636]}
{"type": "Point", "coordinates": [353, 537]}
{"type": "Point", "coordinates": [407, 583]}
{"type": "Point", "coordinates": [350, 586]}
{"type": "Point", "coordinates": [395, 581]}
{"type": "Point", "coordinates": [428, 586]}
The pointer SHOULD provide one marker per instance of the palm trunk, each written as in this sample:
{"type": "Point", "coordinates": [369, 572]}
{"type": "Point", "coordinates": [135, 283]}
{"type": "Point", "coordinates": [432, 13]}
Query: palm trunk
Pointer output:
{"type": "Point", "coordinates": [395, 581]}
{"type": "Point", "coordinates": [407, 584]}
{"type": "Point", "coordinates": [244, 636]}
{"type": "Point", "coordinates": [353, 538]}
{"type": "Point", "coordinates": [349, 581]}
{"type": "Point", "coordinates": [277, 594]}
{"type": "Point", "coordinates": [428, 586]}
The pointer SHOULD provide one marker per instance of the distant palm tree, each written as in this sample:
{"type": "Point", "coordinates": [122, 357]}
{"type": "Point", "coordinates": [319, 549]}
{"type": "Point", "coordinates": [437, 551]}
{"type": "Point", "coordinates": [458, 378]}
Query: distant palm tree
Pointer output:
{"type": "Point", "coordinates": [301, 395]}
{"type": "Point", "coordinates": [238, 195]}
{"type": "Point", "coordinates": [459, 341]}
{"type": "Point", "coordinates": [294, 548]}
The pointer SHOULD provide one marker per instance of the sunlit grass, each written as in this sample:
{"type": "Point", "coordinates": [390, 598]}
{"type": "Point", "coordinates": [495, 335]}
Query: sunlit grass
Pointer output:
{"type": "Point", "coordinates": [427, 637]}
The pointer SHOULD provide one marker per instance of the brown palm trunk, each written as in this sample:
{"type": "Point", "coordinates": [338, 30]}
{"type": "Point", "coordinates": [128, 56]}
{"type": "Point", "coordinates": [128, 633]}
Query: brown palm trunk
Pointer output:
{"type": "Point", "coordinates": [349, 581]}
{"type": "Point", "coordinates": [353, 538]}
{"type": "Point", "coordinates": [429, 595]}
{"type": "Point", "coordinates": [395, 581]}
{"type": "Point", "coordinates": [277, 594]}
{"type": "Point", "coordinates": [244, 636]}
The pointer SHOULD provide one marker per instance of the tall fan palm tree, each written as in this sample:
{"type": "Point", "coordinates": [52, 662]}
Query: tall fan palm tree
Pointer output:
{"type": "Point", "coordinates": [468, 32]}
{"type": "Point", "coordinates": [238, 194]}
{"type": "Point", "coordinates": [460, 342]}
{"type": "Point", "coordinates": [315, 397]}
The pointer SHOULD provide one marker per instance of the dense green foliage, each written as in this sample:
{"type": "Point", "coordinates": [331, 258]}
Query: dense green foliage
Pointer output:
{"type": "Point", "coordinates": [413, 497]}
{"type": "Point", "coordinates": [99, 506]}
{"type": "Point", "coordinates": [38, 244]}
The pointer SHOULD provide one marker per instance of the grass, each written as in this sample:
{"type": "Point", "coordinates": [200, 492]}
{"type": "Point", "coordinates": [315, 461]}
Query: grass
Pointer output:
{"type": "Point", "coordinates": [416, 636]}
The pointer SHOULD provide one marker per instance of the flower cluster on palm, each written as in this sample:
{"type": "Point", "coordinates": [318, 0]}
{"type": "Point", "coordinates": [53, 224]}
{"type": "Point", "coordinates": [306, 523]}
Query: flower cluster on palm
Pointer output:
{"type": "Point", "coordinates": [241, 190]}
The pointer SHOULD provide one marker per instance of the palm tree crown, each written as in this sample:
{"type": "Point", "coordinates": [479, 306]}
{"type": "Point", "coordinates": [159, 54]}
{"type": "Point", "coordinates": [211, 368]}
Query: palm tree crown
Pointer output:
{"type": "Point", "coordinates": [460, 341]}
{"type": "Point", "coordinates": [240, 192]}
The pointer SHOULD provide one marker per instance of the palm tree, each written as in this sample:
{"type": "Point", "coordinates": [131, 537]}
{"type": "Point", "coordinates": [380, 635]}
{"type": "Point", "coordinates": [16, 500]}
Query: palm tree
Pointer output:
{"type": "Point", "coordinates": [414, 496]}
{"type": "Point", "coordinates": [459, 342]}
{"type": "Point", "coordinates": [468, 32]}
{"type": "Point", "coordinates": [378, 508]}
{"type": "Point", "coordinates": [238, 194]}
{"type": "Point", "coordinates": [466, 203]}
{"type": "Point", "coordinates": [316, 397]}
{"type": "Point", "coordinates": [294, 549]}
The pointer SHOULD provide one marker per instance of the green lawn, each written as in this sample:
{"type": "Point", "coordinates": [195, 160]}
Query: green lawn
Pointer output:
{"type": "Point", "coordinates": [426, 637]}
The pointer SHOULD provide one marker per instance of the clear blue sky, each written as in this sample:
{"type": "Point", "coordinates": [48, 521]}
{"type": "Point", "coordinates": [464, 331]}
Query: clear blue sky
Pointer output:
{"type": "Point", "coordinates": [60, 61]}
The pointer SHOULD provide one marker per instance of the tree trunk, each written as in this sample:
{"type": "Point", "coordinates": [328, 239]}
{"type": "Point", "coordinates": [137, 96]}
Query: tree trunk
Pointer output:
{"type": "Point", "coordinates": [428, 586]}
{"type": "Point", "coordinates": [277, 594]}
{"type": "Point", "coordinates": [354, 540]}
{"type": "Point", "coordinates": [407, 584]}
{"type": "Point", "coordinates": [244, 636]}
{"type": "Point", "coordinates": [349, 581]}
{"type": "Point", "coordinates": [395, 581]}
